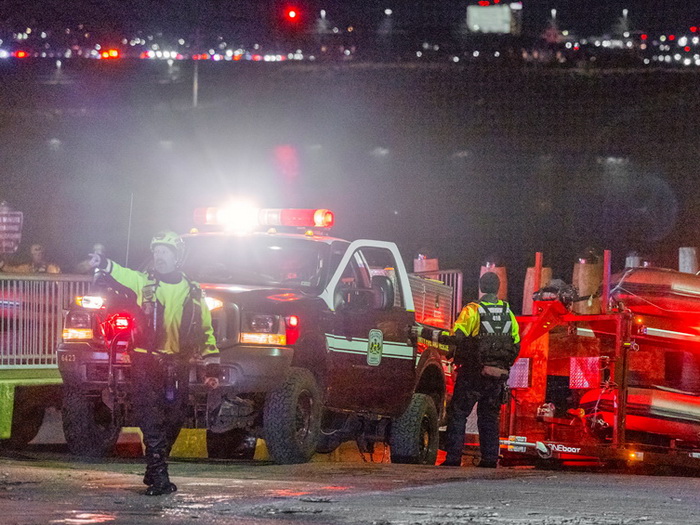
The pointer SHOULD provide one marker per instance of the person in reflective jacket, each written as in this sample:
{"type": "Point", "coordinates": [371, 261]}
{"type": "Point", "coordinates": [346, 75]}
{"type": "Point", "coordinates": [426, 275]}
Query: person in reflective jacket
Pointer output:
{"type": "Point", "coordinates": [175, 329]}
{"type": "Point", "coordinates": [486, 342]}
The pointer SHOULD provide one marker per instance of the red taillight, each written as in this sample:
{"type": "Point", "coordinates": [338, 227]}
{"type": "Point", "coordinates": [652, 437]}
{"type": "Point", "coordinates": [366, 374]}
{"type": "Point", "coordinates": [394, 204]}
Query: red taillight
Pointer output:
{"type": "Point", "coordinates": [292, 331]}
{"type": "Point", "coordinates": [121, 322]}
{"type": "Point", "coordinates": [21, 54]}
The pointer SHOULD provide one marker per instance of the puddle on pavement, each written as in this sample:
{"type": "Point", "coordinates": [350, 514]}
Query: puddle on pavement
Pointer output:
{"type": "Point", "coordinates": [86, 518]}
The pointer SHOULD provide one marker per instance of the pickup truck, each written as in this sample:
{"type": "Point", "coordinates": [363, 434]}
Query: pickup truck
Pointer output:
{"type": "Point", "coordinates": [316, 343]}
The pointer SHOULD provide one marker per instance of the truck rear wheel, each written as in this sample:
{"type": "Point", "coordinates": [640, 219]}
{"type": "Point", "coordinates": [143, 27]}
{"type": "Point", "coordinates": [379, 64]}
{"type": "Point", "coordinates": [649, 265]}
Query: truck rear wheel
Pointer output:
{"type": "Point", "coordinates": [292, 418]}
{"type": "Point", "coordinates": [414, 435]}
{"type": "Point", "coordinates": [88, 425]}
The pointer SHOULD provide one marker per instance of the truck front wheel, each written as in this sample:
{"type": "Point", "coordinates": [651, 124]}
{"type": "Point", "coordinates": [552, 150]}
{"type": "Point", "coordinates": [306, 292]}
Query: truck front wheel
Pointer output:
{"type": "Point", "coordinates": [414, 435]}
{"type": "Point", "coordinates": [88, 424]}
{"type": "Point", "coordinates": [292, 418]}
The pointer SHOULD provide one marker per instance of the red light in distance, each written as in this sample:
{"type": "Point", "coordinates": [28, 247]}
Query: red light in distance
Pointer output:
{"type": "Point", "coordinates": [645, 36]}
{"type": "Point", "coordinates": [694, 29]}
{"type": "Point", "coordinates": [21, 54]}
{"type": "Point", "coordinates": [671, 37]}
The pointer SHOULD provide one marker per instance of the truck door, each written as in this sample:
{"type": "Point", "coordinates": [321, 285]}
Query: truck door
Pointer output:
{"type": "Point", "coordinates": [371, 360]}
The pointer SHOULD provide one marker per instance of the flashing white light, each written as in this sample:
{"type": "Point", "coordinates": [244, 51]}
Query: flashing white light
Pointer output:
{"type": "Point", "coordinates": [607, 43]}
{"type": "Point", "coordinates": [43, 35]}
{"type": "Point", "coordinates": [4, 53]}
{"type": "Point", "coordinates": [569, 45]}
{"type": "Point", "coordinates": [181, 41]}
{"type": "Point", "coordinates": [238, 216]}
{"type": "Point", "coordinates": [629, 44]}
{"type": "Point", "coordinates": [687, 62]}
{"type": "Point", "coordinates": [695, 40]}
{"type": "Point", "coordinates": [229, 52]}
{"type": "Point", "coordinates": [159, 54]}
{"type": "Point", "coordinates": [682, 41]}
{"type": "Point", "coordinates": [388, 12]}
{"type": "Point", "coordinates": [475, 54]}
{"type": "Point", "coordinates": [151, 54]}
{"type": "Point", "coordinates": [212, 303]}
{"type": "Point", "coordinates": [212, 52]}
{"type": "Point", "coordinates": [667, 58]}
{"type": "Point", "coordinates": [676, 57]}
{"type": "Point", "coordinates": [347, 52]}
{"type": "Point", "coordinates": [497, 54]}
{"type": "Point", "coordinates": [597, 43]}
{"type": "Point", "coordinates": [662, 38]}
{"type": "Point", "coordinates": [646, 61]}
{"type": "Point", "coordinates": [455, 59]}
{"type": "Point", "coordinates": [626, 34]}
{"type": "Point", "coordinates": [419, 54]}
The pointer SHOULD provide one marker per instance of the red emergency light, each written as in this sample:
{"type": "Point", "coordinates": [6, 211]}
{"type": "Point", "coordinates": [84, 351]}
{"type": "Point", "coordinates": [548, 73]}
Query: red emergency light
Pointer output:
{"type": "Point", "coordinates": [237, 218]}
{"type": "Point", "coordinates": [21, 54]}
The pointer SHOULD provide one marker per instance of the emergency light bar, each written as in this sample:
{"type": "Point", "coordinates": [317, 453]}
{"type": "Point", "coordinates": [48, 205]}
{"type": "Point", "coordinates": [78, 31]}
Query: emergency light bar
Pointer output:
{"type": "Point", "coordinates": [250, 218]}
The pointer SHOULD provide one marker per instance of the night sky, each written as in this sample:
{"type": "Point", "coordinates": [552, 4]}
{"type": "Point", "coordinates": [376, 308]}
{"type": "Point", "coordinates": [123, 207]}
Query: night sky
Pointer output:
{"type": "Point", "coordinates": [583, 16]}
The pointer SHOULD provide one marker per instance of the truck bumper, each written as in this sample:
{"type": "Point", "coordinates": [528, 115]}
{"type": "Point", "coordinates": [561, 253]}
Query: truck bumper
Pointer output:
{"type": "Point", "coordinates": [255, 369]}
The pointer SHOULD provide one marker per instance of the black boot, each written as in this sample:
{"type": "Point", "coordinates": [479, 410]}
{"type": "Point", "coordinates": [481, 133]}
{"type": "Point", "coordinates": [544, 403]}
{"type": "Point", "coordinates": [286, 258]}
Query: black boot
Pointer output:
{"type": "Point", "coordinates": [159, 482]}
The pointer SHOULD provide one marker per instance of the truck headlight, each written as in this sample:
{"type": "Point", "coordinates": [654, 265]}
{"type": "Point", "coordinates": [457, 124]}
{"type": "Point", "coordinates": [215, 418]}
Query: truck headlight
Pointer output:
{"type": "Point", "coordinates": [263, 329]}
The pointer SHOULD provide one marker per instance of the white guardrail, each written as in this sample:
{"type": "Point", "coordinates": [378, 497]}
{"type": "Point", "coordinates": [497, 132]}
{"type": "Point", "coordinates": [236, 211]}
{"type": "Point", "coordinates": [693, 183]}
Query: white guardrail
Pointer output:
{"type": "Point", "coordinates": [31, 316]}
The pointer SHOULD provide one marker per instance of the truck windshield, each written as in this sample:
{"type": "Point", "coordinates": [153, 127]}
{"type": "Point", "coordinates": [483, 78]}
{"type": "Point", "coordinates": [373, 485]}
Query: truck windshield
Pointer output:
{"type": "Point", "coordinates": [257, 260]}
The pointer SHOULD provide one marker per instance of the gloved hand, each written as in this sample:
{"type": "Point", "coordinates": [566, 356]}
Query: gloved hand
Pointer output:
{"type": "Point", "coordinates": [98, 260]}
{"type": "Point", "coordinates": [415, 331]}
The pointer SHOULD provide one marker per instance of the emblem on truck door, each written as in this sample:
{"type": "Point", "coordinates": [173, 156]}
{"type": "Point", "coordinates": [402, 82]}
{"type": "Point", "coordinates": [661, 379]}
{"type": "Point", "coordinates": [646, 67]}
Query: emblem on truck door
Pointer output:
{"type": "Point", "coordinates": [375, 345]}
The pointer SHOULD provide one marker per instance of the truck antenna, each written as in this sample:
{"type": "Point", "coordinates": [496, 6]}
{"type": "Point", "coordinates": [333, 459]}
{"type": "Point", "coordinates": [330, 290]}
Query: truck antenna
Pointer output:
{"type": "Point", "coordinates": [128, 231]}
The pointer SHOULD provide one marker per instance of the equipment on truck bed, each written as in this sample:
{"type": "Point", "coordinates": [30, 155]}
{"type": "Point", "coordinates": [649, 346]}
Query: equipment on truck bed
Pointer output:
{"type": "Point", "coordinates": [618, 386]}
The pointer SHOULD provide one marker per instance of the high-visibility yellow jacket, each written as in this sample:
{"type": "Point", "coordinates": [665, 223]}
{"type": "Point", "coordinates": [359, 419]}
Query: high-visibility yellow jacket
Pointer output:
{"type": "Point", "coordinates": [173, 298]}
{"type": "Point", "coordinates": [469, 320]}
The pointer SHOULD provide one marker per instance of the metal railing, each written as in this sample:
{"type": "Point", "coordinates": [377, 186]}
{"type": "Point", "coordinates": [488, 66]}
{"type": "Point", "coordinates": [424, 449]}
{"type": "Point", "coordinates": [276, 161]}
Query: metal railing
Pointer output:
{"type": "Point", "coordinates": [453, 279]}
{"type": "Point", "coordinates": [31, 316]}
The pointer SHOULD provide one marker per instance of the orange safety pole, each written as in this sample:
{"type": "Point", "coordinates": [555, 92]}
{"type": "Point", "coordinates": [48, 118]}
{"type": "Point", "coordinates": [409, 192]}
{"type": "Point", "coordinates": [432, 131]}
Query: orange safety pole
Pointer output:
{"type": "Point", "coordinates": [605, 295]}
{"type": "Point", "coordinates": [538, 271]}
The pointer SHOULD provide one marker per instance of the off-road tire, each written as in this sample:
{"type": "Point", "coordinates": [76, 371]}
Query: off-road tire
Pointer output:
{"type": "Point", "coordinates": [414, 435]}
{"type": "Point", "coordinates": [232, 444]}
{"type": "Point", "coordinates": [292, 418]}
{"type": "Point", "coordinates": [87, 425]}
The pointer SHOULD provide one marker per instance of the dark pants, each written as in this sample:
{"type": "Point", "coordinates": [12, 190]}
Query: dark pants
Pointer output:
{"type": "Point", "coordinates": [159, 398]}
{"type": "Point", "coordinates": [470, 388]}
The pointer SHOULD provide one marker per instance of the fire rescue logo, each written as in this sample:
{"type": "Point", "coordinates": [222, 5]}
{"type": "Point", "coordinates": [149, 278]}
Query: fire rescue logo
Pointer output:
{"type": "Point", "coordinates": [375, 346]}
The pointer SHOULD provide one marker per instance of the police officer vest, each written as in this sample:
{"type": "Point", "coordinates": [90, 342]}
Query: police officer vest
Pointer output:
{"type": "Point", "coordinates": [495, 346]}
{"type": "Point", "coordinates": [191, 331]}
